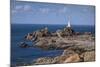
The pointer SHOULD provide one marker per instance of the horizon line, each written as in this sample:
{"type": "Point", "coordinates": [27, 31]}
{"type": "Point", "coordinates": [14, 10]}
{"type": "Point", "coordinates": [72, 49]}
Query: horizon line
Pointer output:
{"type": "Point", "coordinates": [56, 24]}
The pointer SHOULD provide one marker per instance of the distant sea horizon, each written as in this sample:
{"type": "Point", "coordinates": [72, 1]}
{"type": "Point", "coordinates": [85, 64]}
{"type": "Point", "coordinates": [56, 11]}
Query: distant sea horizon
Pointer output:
{"type": "Point", "coordinates": [56, 24]}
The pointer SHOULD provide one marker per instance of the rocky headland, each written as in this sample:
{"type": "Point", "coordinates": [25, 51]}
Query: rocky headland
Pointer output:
{"type": "Point", "coordinates": [76, 46]}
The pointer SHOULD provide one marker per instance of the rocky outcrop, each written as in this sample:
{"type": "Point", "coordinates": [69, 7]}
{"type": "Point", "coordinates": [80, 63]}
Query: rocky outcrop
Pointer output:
{"type": "Point", "coordinates": [78, 47]}
{"type": "Point", "coordinates": [68, 31]}
{"type": "Point", "coordinates": [88, 56]}
{"type": "Point", "coordinates": [81, 42]}
{"type": "Point", "coordinates": [77, 33]}
{"type": "Point", "coordinates": [37, 34]}
{"type": "Point", "coordinates": [29, 36]}
{"type": "Point", "coordinates": [87, 33]}
{"type": "Point", "coordinates": [58, 59]}
{"type": "Point", "coordinates": [68, 56]}
{"type": "Point", "coordinates": [44, 60]}
{"type": "Point", "coordinates": [82, 51]}
{"type": "Point", "coordinates": [67, 52]}
{"type": "Point", "coordinates": [72, 58]}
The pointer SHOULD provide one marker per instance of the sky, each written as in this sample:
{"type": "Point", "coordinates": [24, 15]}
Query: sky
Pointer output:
{"type": "Point", "coordinates": [51, 13]}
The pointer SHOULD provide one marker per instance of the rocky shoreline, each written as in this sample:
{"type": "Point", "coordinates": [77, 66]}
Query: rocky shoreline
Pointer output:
{"type": "Point", "coordinates": [76, 46]}
{"type": "Point", "coordinates": [75, 50]}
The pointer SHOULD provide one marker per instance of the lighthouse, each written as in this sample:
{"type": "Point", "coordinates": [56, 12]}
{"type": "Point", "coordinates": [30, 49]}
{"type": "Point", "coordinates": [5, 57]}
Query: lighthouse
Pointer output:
{"type": "Point", "coordinates": [68, 31]}
{"type": "Point", "coordinates": [69, 23]}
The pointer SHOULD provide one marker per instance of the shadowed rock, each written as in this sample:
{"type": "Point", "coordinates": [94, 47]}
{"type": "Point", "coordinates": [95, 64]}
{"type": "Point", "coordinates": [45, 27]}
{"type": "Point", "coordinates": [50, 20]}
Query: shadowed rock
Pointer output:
{"type": "Point", "coordinates": [68, 31]}
{"type": "Point", "coordinates": [23, 45]}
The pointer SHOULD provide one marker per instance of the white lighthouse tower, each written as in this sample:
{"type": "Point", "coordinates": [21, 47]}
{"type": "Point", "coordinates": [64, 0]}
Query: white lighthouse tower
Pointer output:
{"type": "Point", "coordinates": [69, 23]}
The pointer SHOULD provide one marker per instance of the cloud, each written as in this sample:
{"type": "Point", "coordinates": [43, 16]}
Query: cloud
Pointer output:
{"type": "Point", "coordinates": [63, 10]}
{"type": "Point", "coordinates": [18, 8]}
{"type": "Point", "coordinates": [27, 8]}
{"type": "Point", "coordinates": [50, 10]}
{"type": "Point", "coordinates": [22, 8]}
{"type": "Point", "coordinates": [44, 10]}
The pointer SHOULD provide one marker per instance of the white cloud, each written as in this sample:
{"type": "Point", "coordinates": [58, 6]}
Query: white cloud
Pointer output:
{"type": "Point", "coordinates": [27, 8]}
{"type": "Point", "coordinates": [44, 10]}
{"type": "Point", "coordinates": [63, 10]}
{"type": "Point", "coordinates": [19, 7]}
{"type": "Point", "coordinates": [22, 8]}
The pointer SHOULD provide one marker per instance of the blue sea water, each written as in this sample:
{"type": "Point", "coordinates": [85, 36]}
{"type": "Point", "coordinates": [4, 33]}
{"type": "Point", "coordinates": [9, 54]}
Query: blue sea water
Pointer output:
{"type": "Point", "coordinates": [18, 31]}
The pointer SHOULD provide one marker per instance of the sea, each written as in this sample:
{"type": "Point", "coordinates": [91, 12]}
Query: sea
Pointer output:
{"type": "Point", "coordinates": [26, 55]}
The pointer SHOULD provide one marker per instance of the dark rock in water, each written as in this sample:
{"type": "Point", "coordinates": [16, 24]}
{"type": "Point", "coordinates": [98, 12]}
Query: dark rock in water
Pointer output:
{"type": "Point", "coordinates": [23, 45]}
{"type": "Point", "coordinates": [25, 36]}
